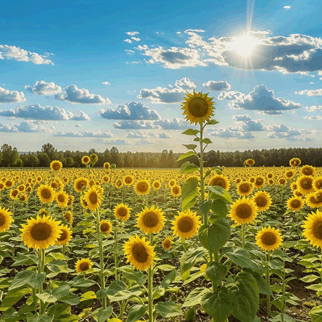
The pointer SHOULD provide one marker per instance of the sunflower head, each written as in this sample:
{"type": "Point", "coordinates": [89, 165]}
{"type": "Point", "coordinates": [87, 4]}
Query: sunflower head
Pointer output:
{"type": "Point", "coordinates": [295, 162]}
{"type": "Point", "coordinates": [150, 220]}
{"type": "Point", "coordinates": [305, 184]}
{"type": "Point", "coordinates": [186, 224]}
{"type": "Point", "coordinates": [119, 183]}
{"type": "Point", "coordinates": [166, 244]}
{"type": "Point", "coordinates": [46, 194]}
{"type": "Point", "coordinates": [65, 236]}
{"type": "Point", "coordinates": [268, 238]}
{"type": "Point", "coordinates": [317, 183]}
{"type": "Point", "coordinates": [14, 194]}
{"type": "Point", "coordinates": [93, 198]}
{"type": "Point", "coordinates": [259, 182]}
{"type": "Point", "coordinates": [313, 200]}
{"type": "Point", "coordinates": [176, 191]}
{"type": "Point", "coordinates": [62, 199]}
{"type": "Point", "coordinates": [156, 185]}
{"type": "Point", "coordinates": [5, 219]}
{"type": "Point", "coordinates": [86, 159]}
{"type": "Point", "coordinates": [128, 180]}
{"type": "Point", "coordinates": [105, 227]}
{"type": "Point", "coordinates": [295, 203]}
{"type": "Point", "coordinates": [313, 229]}
{"type": "Point", "coordinates": [94, 158]}
{"type": "Point", "coordinates": [122, 212]}
{"type": "Point", "coordinates": [56, 165]}
{"type": "Point", "coordinates": [69, 217]}
{"type": "Point", "coordinates": [80, 183]}
{"type": "Point", "coordinates": [219, 180]}
{"type": "Point", "coordinates": [83, 265]}
{"type": "Point", "coordinates": [142, 187]}
{"type": "Point", "coordinates": [107, 166]}
{"type": "Point", "coordinates": [243, 211]}
{"type": "Point", "coordinates": [307, 170]}
{"type": "Point", "coordinates": [245, 188]}
{"type": "Point", "coordinates": [197, 107]}
{"type": "Point", "coordinates": [262, 200]}
{"type": "Point", "coordinates": [250, 162]}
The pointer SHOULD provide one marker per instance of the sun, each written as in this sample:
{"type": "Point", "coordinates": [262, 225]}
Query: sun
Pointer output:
{"type": "Point", "coordinates": [243, 45]}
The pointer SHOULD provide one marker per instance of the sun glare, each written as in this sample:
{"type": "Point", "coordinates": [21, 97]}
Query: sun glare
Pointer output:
{"type": "Point", "coordinates": [243, 45]}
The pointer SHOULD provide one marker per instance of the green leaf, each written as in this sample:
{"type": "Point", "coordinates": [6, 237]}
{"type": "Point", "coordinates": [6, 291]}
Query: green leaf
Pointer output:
{"type": "Point", "coordinates": [71, 299]}
{"type": "Point", "coordinates": [187, 204]}
{"type": "Point", "coordinates": [263, 287]}
{"type": "Point", "coordinates": [90, 295]}
{"type": "Point", "coordinates": [13, 297]}
{"type": "Point", "coordinates": [245, 297]}
{"type": "Point", "coordinates": [47, 297]}
{"type": "Point", "coordinates": [190, 146]}
{"type": "Point", "coordinates": [189, 259]}
{"type": "Point", "coordinates": [214, 236]}
{"type": "Point", "coordinates": [27, 277]}
{"type": "Point", "coordinates": [168, 309]}
{"type": "Point", "coordinates": [206, 141]}
{"type": "Point", "coordinates": [219, 207]}
{"type": "Point", "coordinates": [204, 207]}
{"type": "Point", "coordinates": [217, 169]}
{"type": "Point", "coordinates": [61, 291]}
{"type": "Point", "coordinates": [186, 155]}
{"type": "Point", "coordinates": [188, 167]}
{"type": "Point", "coordinates": [41, 318]}
{"type": "Point", "coordinates": [101, 315]}
{"type": "Point", "coordinates": [169, 278]}
{"type": "Point", "coordinates": [212, 122]}
{"type": "Point", "coordinates": [190, 132]}
{"type": "Point", "coordinates": [194, 297]}
{"type": "Point", "coordinates": [309, 278]}
{"type": "Point", "coordinates": [135, 276]}
{"type": "Point", "coordinates": [218, 305]}
{"type": "Point", "coordinates": [59, 309]}
{"type": "Point", "coordinates": [219, 192]}
{"type": "Point", "coordinates": [189, 192]}
{"type": "Point", "coordinates": [136, 312]}
{"type": "Point", "coordinates": [25, 260]}
{"type": "Point", "coordinates": [216, 273]}
{"type": "Point", "coordinates": [316, 314]}
{"type": "Point", "coordinates": [126, 294]}
{"type": "Point", "coordinates": [82, 282]}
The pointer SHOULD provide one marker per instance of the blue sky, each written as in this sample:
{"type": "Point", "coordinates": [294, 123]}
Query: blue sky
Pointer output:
{"type": "Point", "coordinates": [83, 74]}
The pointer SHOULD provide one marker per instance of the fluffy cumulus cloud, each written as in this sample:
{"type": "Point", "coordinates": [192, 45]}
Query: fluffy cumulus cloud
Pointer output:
{"type": "Point", "coordinates": [164, 136]}
{"type": "Point", "coordinates": [7, 96]}
{"type": "Point", "coordinates": [314, 108]}
{"type": "Point", "coordinates": [26, 127]}
{"type": "Point", "coordinates": [140, 134]}
{"type": "Point", "coordinates": [173, 124]}
{"type": "Point", "coordinates": [217, 86]}
{"type": "Point", "coordinates": [85, 134]}
{"type": "Point", "coordinates": [116, 142]}
{"type": "Point", "coordinates": [49, 113]}
{"type": "Point", "coordinates": [296, 53]}
{"type": "Point", "coordinates": [310, 92]}
{"type": "Point", "coordinates": [19, 54]}
{"type": "Point", "coordinates": [163, 95]}
{"type": "Point", "coordinates": [228, 133]}
{"type": "Point", "coordinates": [43, 88]}
{"type": "Point", "coordinates": [144, 142]}
{"type": "Point", "coordinates": [75, 95]}
{"type": "Point", "coordinates": [231, 95]}
{"type": "Point", "coordinates": [131, 111]}
{"type": "Point", "coordinates": [249, 125]}
{"type": "Point", "coordinates": [135, 125]}
{"type": "Point", "coordinates": [263, 100]}
{"type": "Point", "coordinates": [106, 83]}
{"type": "Point", "coordinates": [316, 118]}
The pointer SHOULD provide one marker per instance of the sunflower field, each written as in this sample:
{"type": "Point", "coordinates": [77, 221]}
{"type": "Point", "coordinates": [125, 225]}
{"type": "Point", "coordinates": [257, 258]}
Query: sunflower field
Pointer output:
{"type": "Point", "coordinates": [190, 244]}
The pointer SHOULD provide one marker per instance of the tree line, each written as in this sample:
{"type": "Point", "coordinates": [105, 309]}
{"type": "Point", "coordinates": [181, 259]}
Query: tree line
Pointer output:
{"type": "Point", "coordinates": [10, 157]}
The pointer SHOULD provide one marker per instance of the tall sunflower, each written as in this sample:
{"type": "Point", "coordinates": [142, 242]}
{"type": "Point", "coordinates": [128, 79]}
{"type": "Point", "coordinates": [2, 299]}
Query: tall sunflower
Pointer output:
{"type": "Point", "coordinates": [307, 170]}
{"type": "Point", "coordinates": [46, 194]}
{"type": "Point", "coordinates": [86, 159]}
{"type": "Point", "coordinates": [5, 219]}
{"type": "Point", "coordinates": [295, 162]}
{"type": "Point", "coordinates": [313, 229]}
{"type": "Point", "coordinates": [93, 198]}
{"type": "Point", "coordinates": [313, 200]}
{"type": "Point", "coordinates": [139, 252]}
{"type": "Point", "coordinates": [128, 180]}
{"type": "Point", "coordinates": [65, 237]}
{"type": "Point", "coordinates": [142, 187]}
{"type": "Point", "coordinates": [107, 166]}
{"type": "Point", "coordinates": [80, 183]}
{"type": "Point", "coordinates": [295, 203]}
{"type": "Point", "coordinates": [186, 224]}
{"type": "Point", "coordinates": [83, 265]}
{"type": "Point", "coordinates": [317, 183]}
{"type": "Point", "coordinates": [268, 238]}
{"type": "Point", "coordinates": [56, 165]}
{"type": "Point", "coordinates": [62, 199]}
{"type": "Point", "coordinates": [105, 227]}
{"type": "Point", "coordinates": [151, 220]}
{"type": "Point", "coordinates": [122, 212]}
{"type": "Point", "coordinates": [40, 233]}
{"type": "Point", "coordinates": [219, 180]}
{"type": "Point", "coordinates": [262, 200]}
{"type": "Point", "coordinates": [197, 107]}
{"type": "Point", "coordinates": [243, 211]}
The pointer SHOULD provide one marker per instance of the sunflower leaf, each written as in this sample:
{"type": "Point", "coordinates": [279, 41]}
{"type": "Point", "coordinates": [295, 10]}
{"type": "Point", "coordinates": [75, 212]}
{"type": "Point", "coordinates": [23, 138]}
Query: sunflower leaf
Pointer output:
{"type": "Point", "coordinates": [190, 132]}
{"type": "Point", "coordinates": [186, 155]}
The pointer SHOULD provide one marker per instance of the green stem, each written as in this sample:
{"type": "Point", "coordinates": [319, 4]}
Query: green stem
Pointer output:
{"type": "Point", "coordinates": [202, 184]}
{"type": "Point", "coordinates": [150, 286]}
{"type": "Point", "coordinates": [100, 245]}
{"type": "Point", "coordinates": [283, 293]}
{"type": "Point", "coordinates": [40, 270]}
{"type": "Point", "coordinates": [115, 253]}
{"type": "Point", "coordinates": [268, 282]}
{"type": "Point", "coordinates": [243, 235]}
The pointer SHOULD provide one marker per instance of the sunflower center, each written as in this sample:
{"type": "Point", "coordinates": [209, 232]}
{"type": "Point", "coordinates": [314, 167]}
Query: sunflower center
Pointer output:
{"type": "Point", "coordinates": [261, 201]}
{"type": "Point", "coordinates": [150, 219]}
{"type": "Point", "coordinates": [14, 192]}
{"type": "Point", "coordinates": [93, 197]}
{"type": "Point", "coordinates": [319, 197]}
{"type": "Point", "coordinates": [270, 175]}
{"type": "Point", "coordinates": [122, 212]}
{"type": "Point", "coordinates": [68, 217]}
{"type": "Point", "coordinates": [167, 243]}
{"type": "Point", "coordinates": [317, 230]}
{"type": "Point", "coordinates": [56, 166]}
{"type": "Point", "coordinates": [84, 266]}
{"type": "Point", "coordinates": [259, 181]}
{"type": "Point", "coordinates": [46, 193]}
{"type": "Point", "coordinates": [128, 180]}
{"type": "Point", "coordinates": [142, 186]}
{"type": "Point", "coordinates": [176, 190]}
{"type": "Point", "coordinates": [306, 184]}
{"type": "Point", "coordinates": [289, 174]}
{"type": "Point", "coordinates": [307, 171]}
{"type": "Point", "coordinates": [185, 224]}
{"type": "Point", "coordinates": [218, 182]}
{"type": "Point", "coordinates": [295, 203]}
{"type": "Point", "coordinates": [2, 219]}
{"type": "Point", "coordinates": [268, 238]}
{"type": "Point", "coordinates": [41, 231]}
{"type": "Point", "coordinates": [61, 198]}
{"type": "Point", "coordinates": [156, 185]}
{"type": "Point", "coordinates": [282, 181]}
{"type": "Point", "coordinates": [244, 211]}
{"type": "Point", "coordinates": [105, 227]}
{"type": "Point", "coordinates": [244, 187]}
{"type": "Point", "coordinates": [63, 236]}
{"type": "Point", "coordinates": [198, 107]}
{"type": "Point", "coordinates": [139, 253]}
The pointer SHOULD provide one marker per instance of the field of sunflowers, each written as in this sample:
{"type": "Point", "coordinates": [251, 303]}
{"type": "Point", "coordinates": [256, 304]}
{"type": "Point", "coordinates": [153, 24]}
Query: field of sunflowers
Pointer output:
{"type": "Point", "coordinates": [190, 244]}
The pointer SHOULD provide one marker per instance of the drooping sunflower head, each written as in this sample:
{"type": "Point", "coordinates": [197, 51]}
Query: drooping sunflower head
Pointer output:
{"type": "Point", "coordinates": [65, 237]}
{"type": "Point", "coordinates": [69, 217]}
{"type": "Point", "coordinates": [93, 198]}
{"type": "Point", "coordinates": [128, 180]}
{"type": "Point", "coordinates": [80, 183]}
{"type": "Point", "coordinates": [86, 159]}
{"type": "Point", "coordinates": [295, 162]}
{"type": "Point", "coordinates": [142, 187]}
{"type": "Point", "coordinates": [14, 194]}
{"type": "Point", "coordinates": [245, 188]}
{"type": "Point", "coordinates": [186, 224]}
{"type": "Point", "coordinates": [56, 165]}
{"type": "Point", "coordinates": [305, 184]}
{"type": "Point", "coordinates": [262, 200]}
{"type": "Point", "coordinates": [62, 199]}
{"type": "Point", "coordinates": [166, 244]}
{"type": "Point", "coordinates": [221, 181]}
{"type": "Point", "coordinates": [107, 166]}
{"type": "Point", "coordinates": [105, 227]}
{"type": "Point", "coordinates": [317, 183]}
{"type": "Point", "coordinates": [176, 191]}
{"type": "Point", "coordinates": [156, 185]}
{"type": "Point", "coordinates": [46, 194]}
{"type": "Point", "coordinates": [243, 211]}
{"type": "Point", "coordinates": [313, 229]}
{"type": "Point", "coordinates": [150, 220]}
{"type": "Point", "coordinates": [40, 233]}
{"type": "Point", "coordinates": [295, 203]}
{"type": "Point", "coordinates": [83, 265]}
{"type": "Point", "coordinates": [139, 252]}
{"type": "Point", "coordinates": [94, 158]}
{"type": "Point", "coordinates": [268, 238]}
{"type": "Point", "coordinates": [197, 107]}
{"type": "Point", "coordinates": [122, 212]}
{"type": "Point", "coordinates": [5, 219]}
{"type": "Point", "coordinates": [307, 170]}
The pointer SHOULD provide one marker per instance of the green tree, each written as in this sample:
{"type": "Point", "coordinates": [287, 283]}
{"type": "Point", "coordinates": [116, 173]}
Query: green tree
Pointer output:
{"type": "Point", "coordinates": [33, 160]}
{"type": "Point", "coordinates": [50, 150]}
{"type": "Point", "coordinates": [9, 155]}
{"type": "Point", "coordinates": [44, 159]}
{"type": "Point", "coordinates": [19, 163]}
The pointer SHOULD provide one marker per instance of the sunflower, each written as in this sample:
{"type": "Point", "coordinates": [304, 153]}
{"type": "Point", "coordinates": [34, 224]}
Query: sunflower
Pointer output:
{"type": "Point", "coordinates": [46, 194]}
{"type": "Point", "coordinates": [70, 200]}
{"type": "Point", "coordinates": [5, 219]}
{"type": "Point", "coordinates": [250, 162]}
{"type": "Point", "coordinates": [186, 224]}
{"type": "Point", "coordinates": [166, 244]}
{"type": "Point", "coordinates": [1, 186]}
{"type": "Point", "coordinates": [197, 107]}
{"type": "Point", "coordinates": [65, 237]}
{"type": "Point", "coordinates": [245, 188]}
{"type": "Point", "coordinates": [80, 183]}
{"type": "Point", "coordinates": [94, 158]}
{"type": "Point", "coordinates": [219, 180]}
{"type": "Point", "coordinates": [297, 193]}
{"type": "Point", "coordinates": [83, 265]}
{"type": "Point", "coordinates": [22, 197]}
{"type": "Point", "coordinates": [42, 211]}
{"type": "Point", "coordinates": [119, 183]}
{"type": "Point", "coordinates": [106, 179]}
{"type": "Point", "coordinates": [203, 267]}
{"type": "Point", "coordinates": [176, 191]}
{"type": "Point", "coordinates": [21, 188]}
{"type": "Point", "coordinates": [305, 184]}
{"type": "Point", "coordinates": [142, 187]}
{"type": "Point", "coordinates": [295, 162]}
{"type": "Point", "coordinates": [317, 183]}
{"type": "Point", "coordinates": [268, 238]}
{"type": "Point", "coordinates": [40, 233]}
{"type": "Point", "coordinates": [307, 170]}
{"type": "Point", "coordinates": [84, 203]}
{"type": "Point", "coordinates": [243, 211]}
{"type": "Point", "coordinates": [172, 183]}
{"type": "Point", "coordinates": [156, 185]}
{"type": "Point", "coordinates": [86, 159]}
{"type": "Point", "coordinates": [282, 181]}
{"type": "Point", "coordinates": [93, 198]}
{"type": "Point", "coordinates": [56, 165]}
{"type": "Point", "coordinates": [150, 220]}
{"type": "Point", "coordinates": [14, 194]}
{"type": "Point", "coordinates": [69, 217]}
{"type": "Point", "coordinates": [262, 200]}
{"type": "Point", "coordinates": [107, 166]}
{"type": "Point", "coordinates": [128, 180]}
{"type": "Point", "coordinates": [122, 212]}
{"type": "Point", "coordinates": [8, 183]}
{"type": "Point", "coordinates": [289, 174]}
{"type": "Point", "coordinates": [62, 199]}
{"type": "Point", "coordinates": [293, 185]}
{"type": "Point", "coordinates": [313, 228]}
{"type": "Point", "coordinates": [105, 227]}
{"type": "Point", "coordinates": [295, 203]}
{"type": "Point", "coordinates": [139, 252]}
{"type": "Point", "coordinates": [314, 201]}
{"type": "Point", "coordinates": [270, 175]}
{"type": "Point", "coordinates": [259, 182]}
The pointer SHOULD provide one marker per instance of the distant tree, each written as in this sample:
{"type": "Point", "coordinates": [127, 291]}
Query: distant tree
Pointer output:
{"type": "Point", "coordinates": [33, 160]}
{"type": "Point", "coordinates": [68, 162]}
{"type": "Point", "coordinates": [19, 163]}
{"type": "Point", "coordinates": [0, 157]}
{"type": "Point", "coordinates": [50, 150]}
{"type": "Point", "coordinates": [171, 162]}
{"type": "Point", "coordinates": [9, 155]}
{"type": "Point", "coordinates": [44, 159]}
{"type": "Point", "coordinates": [164, 158]}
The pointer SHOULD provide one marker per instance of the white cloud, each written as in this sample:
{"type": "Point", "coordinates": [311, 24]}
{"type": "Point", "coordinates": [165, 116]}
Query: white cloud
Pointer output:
{"type": "Point", "coordinates": [128, 41]}
{"type": "Point", "coordinates": [25, 127]}
{"type": "Point", "coordinates": [314, 108]}
{"type": "Point", "coordinates": [85, 134]}
{"type": "Point", "coordinates": [228, 133]}
{"type": "Point", "coordinates": [129, 51]}
{"type": "Point", "coordinates": [132, 33]}
{"type": "Point", "coordinates": [185, 83]}
{"type": "Point", "coordinates": [43, 88]}
{"type": "Point", "coordinates": [136, 38]}
{"type": "Point", "coordinates": [173, 124]}
{"type": "Point", "coordinates": [317, 118]}
{"type": "Point", "coordinates": [135, 125]}
{"type": "Point", "coordinates": [106, 83]}
{"type": "Point", "coordinates": [287, 7]}
{"type": "Point", "coordinates": [19, 54]}
{"type": "Point", "coordinates": [131, 111]}
{"type": "Point", "coordinates": [144, 142]}
{"type": "Point", "coordinates": [217, 86]}
{"type": "Point", "coordinates": [140, 134]}
{"type": "Point", "coordinates": [232, 95]}
{"type": "Point", "coordinates": [7, 96]}
{"type": "Point", "coordinates": [310, 92]}
{"type": "Point", "coordinates": [164, 136]}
